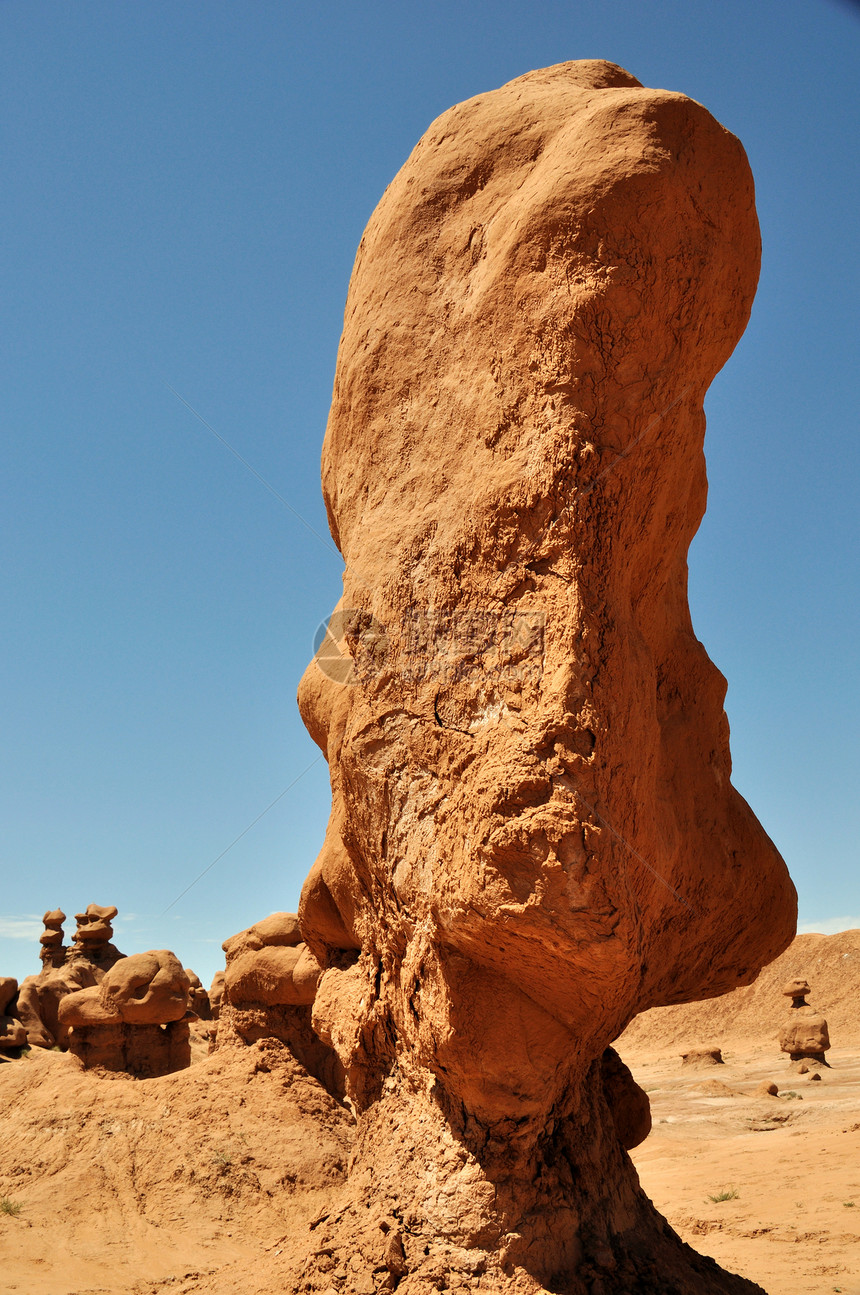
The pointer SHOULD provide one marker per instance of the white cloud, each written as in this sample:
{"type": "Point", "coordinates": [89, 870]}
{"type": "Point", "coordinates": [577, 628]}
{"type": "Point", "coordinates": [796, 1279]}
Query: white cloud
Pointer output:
{"type": "Point", "coordinates": [21, 928]}
{"type": "Point", "coordinates": [829, 926]}
{"type": "Point", "coordinates": [124, 920]}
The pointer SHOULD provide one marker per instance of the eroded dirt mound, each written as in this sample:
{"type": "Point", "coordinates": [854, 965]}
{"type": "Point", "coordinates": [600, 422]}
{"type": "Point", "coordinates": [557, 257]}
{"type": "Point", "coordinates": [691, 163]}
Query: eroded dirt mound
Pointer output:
{"type": "Point", "coordinates": [125, 1185]}
{"type": "Point", "coordinates": [831, 964]}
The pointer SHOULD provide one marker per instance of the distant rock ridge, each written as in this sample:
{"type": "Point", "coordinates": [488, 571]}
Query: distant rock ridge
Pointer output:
{"type": "Point", "coordinates": [752, 1014]}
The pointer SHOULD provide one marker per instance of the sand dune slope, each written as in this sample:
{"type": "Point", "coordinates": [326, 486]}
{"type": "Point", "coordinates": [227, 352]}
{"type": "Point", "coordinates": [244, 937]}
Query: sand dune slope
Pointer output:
{"type": "Point", "coordinates": [831, 964]}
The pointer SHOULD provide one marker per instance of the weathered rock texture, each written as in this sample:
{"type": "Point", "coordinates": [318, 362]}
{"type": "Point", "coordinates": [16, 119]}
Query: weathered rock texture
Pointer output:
{"type": "Point", "coordinates": [216, 994]}
{"type": "Point", "coordinates": [65, 971]}
{"type": "Point", "coordinates": [200, 1004]}
{"type": "Point", "coordinates": [268, 991]}
{"type": "Point", "coordinates": [797, 990]}
{"type": "Point", "coordinates": [135, 1020]}
{"type": "Point", "coordinates": [53, 951]}
{"type": "Point", "coordinates": [13, 1036]}
{"type": "Point", "coordinates": [699, 1057]}
{"type": "Point", "coordinates": [533, 833]}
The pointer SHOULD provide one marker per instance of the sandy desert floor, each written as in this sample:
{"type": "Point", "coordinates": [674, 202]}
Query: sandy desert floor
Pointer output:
{"type": "Point", "coordinates": [791, 1165]}
{"type": "Point", "coordinates": [126, 1187]}
{"type": "Point", "coordinates": [191, 1183]}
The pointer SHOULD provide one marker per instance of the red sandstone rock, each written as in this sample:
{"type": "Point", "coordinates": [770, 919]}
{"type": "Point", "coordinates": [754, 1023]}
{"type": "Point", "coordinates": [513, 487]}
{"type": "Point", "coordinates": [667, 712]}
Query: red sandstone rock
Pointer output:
{"type": "Point", "coordinates": [147, 988]}
{"type": "Point", "coordinates": [94, 926]}
{"type": "Point", "coordinates": [135, 1020]}
{"type": "Point", "coordinates": [533, 833]}
{"type": "Point", "coordinates": [200, 1004]}
{"type": "Point", "coordinates": [698, 1057]}
{"type": "Point", "coordinates": [216, 994]}
{"type": "Point", "coordinates": [805, 1036]}
{"type": "Point", "coordinates": [52, 936]}
{"type": "Point", "coordinates": [12, 1033]}
{"type": "Point", "coordinates": [629, 1104]}
{"type": "Point", "coordinates": [268, 988]}
{"type": "Point", "coordinates": [65, 971]}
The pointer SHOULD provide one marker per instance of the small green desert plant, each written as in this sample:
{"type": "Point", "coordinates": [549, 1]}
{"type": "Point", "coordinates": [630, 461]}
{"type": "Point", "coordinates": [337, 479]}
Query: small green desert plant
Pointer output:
{"type": "Point", "coordinates": [222, 1159]}
{"type": "Point", "coordinates": [727, 1194]}
{"type": "Point", "coordinates": [8, 1206]}
{"type": "Point", "coordinates": [849, 1205]}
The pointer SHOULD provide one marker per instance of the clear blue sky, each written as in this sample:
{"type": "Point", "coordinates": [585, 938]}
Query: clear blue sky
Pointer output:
{"type": "Point", "coordinates": [184, 188]}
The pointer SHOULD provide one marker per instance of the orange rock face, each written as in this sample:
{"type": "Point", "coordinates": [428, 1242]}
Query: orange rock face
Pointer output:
{"type": "Point", "coordinates": [534, 834]}
{"type": "Point", "coordinates": [805, 1035]}
{"type": "Point", "coordinates": [268, 988]}
{"type": "Point", "coordinates": [13, 1035]}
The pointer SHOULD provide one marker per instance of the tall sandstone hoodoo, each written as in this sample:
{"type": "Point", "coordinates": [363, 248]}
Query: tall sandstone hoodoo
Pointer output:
{"type": "Point", "coordinates": [533, 833]}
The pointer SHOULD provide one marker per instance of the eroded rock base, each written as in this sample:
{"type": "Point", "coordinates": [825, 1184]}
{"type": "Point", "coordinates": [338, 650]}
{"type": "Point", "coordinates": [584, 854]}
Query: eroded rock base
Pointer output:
{"type": "Point", "coordinates": [144, 1051]}
{"type": "Point", "coordinates": [434, 1205]}
{"type": "Point", "coordinates": [241, 1026]}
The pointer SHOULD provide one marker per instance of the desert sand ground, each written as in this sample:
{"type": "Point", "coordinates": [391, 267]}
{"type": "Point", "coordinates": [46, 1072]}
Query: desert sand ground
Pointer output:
{"type": "Point", "coordinates": [129, 1186]}
{"type": "Point", "coordinates": [195, 1183]}
{"type": "Point", "coordinates": [189, 1183]}
{"type": "Point", "coordinates": [793, 1161]}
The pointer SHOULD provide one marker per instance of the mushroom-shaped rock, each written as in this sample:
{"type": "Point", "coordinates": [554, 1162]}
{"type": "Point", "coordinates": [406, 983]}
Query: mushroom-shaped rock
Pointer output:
{"type": "Point", "coordinates": [276, 975]}
{"type": "Point", "coordinates": [135, 1020]}
{"type": "Point", "coordinates": [276, 930]}
{"type": "Point", "coordinates": [65, 971]}
{"type": "Point", "coordinates": [533, 834]}
{"type": "Point", "coordinates": [52, 936]}
{"type": "Point", "coordinates": [700, 1057]}
{"type": "Point", "coordinates": [797, 990]}
{"type": "Point", "coordinates": [279, 929]}
{"type": "Point", "coordinates": [805, 1035]}
{"type": "Point", "coordinates": [92, 953]}
{"type": "Point", "coordinates": [147, 988]}
{"type": "Point", "coordinates": [87, 1008]}
{"type": "Point", "coordinates": [94, 925]}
